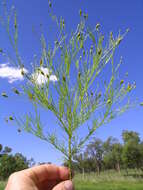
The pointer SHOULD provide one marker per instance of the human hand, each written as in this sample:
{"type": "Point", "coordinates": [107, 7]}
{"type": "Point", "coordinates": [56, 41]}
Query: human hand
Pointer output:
{"type": "Point", "coordinates": [43, 177]}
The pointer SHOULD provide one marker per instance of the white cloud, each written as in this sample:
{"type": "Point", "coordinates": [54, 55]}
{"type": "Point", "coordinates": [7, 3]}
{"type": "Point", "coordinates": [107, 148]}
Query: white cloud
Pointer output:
{"type": "Point", "coordinates": [11, 73]}
{"type": "Point", "coordinates": [42, 75]}
{"type": "Point", "coordinates": [53, 78]}
{"type": "Point", "coordinates": [14, 74]}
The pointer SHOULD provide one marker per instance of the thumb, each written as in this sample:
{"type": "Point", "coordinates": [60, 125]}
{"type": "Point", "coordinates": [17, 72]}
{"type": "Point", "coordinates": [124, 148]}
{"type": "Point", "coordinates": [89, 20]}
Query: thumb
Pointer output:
{"type": "Point", "coordinates": [66, 185]}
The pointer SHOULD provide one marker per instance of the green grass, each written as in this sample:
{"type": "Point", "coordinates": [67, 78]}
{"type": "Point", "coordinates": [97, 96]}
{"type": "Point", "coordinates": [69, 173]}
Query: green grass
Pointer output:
{"type": "Point", "coordinates": [2, 185]}
{"type": "Point", "coordinates": [109, 180]}
{"type": "Point", "coordinates": [110, 186]}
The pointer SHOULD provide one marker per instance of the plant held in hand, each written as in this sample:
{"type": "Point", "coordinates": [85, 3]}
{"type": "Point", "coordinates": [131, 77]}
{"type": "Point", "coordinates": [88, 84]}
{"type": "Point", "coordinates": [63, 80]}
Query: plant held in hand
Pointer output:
{"type": "Point", "coordinates": [77, 80]}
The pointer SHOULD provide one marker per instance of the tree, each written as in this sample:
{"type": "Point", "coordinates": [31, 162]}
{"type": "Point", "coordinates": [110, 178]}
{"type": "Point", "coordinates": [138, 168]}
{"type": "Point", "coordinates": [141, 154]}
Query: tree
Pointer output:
{"type": "Point", "coordinates": [76, 62]}
{"type": "Point", "coordinates": [21, 162]}
{"type": "Point", "coordinates": [12, 163]}
{"type": "Point", "coordinates": [80, 162]}
{"type": "Point", "coordinates": [131, 155]}
{"type": "Point", "coordinates": [108, 156]}
{"type": "Point", "coordinates": [112, 153]}
{"type": "Point", "coordinates": [5, 150]}
{"type": "Point", "coordinates": [117, 155]}
{"type": "Point", "coordinates": [141, 155]}
{"type": "Point", "coordinates": [129, 136]}
{"type": "Point", "coordinates": [131, 151]}
{"type": "Point", "coordinates": [7, 166]}
{"type": "Point", "coordinates": [1, 147]}
{"type": "Point", "coordinates": [95, 153]}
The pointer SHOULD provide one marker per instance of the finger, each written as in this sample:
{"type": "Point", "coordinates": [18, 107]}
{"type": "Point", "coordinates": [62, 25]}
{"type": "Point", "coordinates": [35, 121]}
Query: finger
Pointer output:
{"type": "Point", "coordinates": [47, 184]}
{"type": "Point", "coordinates": [47, 172]}
{"type": "Point", "coordinates": [66, 185]}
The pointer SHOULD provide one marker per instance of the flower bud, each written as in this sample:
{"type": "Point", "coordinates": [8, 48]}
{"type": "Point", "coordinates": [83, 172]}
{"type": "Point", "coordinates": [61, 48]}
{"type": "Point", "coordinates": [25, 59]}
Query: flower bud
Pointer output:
{"type": "Point", "coordinates": [80, 12]}
{"type": "Point", "coordinates": [119, 41]}
{"type": "Point", "coordinates": [129, 87]}
{"type": "Point", "coordinates": [121, 82]}
{"type": "Point", "coordinates": [109, 101]}
{"type": "Point", "coordinates": [99, 51]}
{"type": "Point", "coordinates": [30, 95]}
{"type": "Point", "coordinates": [42, 72]}
{"type": "Point", "coordinates": [97, 26]}
{"type": "Point", "coordinates": [78, 35]}
{"type": "Point", "coordinates": [11, 118]}
{"type": "Point", "coordinates": [79, 74]}
{"type": "Point", "coordinates": [22, 72]}
{"type": "Point", "coordinates": [41, 62]}
{"type": "Point", "coordinates": [85, 16]}
{"type": "Point", "coordinates": [64, 78]}
{"type": "Point", "coordinates": [4, 94]}
{"type": "Point", "coordinates": [16, 91]}
{"type": "Point", "coordinates": [50, 4]}
{"type": "Point", "coordinates": [99, 94]}
{"type": "Point", "coordinates": [19, 130]}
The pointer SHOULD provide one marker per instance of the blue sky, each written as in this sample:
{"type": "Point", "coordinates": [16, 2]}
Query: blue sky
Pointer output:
{"type": "Point", "coordinates": [113, 15]}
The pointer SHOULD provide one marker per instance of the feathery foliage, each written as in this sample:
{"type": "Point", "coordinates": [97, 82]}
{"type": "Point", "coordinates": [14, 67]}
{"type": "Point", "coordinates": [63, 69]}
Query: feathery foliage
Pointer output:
{"type": "Point", "coordinates": [83, 89]}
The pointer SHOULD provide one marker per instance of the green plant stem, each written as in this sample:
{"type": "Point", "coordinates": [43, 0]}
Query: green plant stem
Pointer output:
{"type": "Point", "coordinates": [70, 159]}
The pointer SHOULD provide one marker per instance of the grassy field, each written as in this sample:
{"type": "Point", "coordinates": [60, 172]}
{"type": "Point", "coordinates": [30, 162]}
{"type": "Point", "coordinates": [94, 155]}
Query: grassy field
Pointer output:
{"type": "Point", "coordinates": [110, 186]}
{"type": "Point", "coordinates": [106, 181]}
{"type": "Point", "coordinates": [109, 181]}
{"type": "Point", "coordinates": [2, 185]}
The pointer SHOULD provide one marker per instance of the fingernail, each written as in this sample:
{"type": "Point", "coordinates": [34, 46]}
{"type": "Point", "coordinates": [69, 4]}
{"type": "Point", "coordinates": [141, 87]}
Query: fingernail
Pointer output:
{"type": "Point", "coordinates": [68, 185]}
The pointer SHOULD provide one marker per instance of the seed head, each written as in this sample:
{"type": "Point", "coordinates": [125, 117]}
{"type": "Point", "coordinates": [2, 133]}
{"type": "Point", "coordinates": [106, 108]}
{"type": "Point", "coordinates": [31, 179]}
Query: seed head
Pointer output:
{"type": "Point", "coordinates": [63, 23]}
{"type": "Point", "coordinates": [22, 72]}
{"type": "Point", "coordinates": [4, 94]}
{"type": "Point", "coordinates": [121, 82]}
{"type": "Point", "coordinates": [16, 91]}
{"type": "Point", "coordinates": [119, 41]}
{"type": "Point", "coordinates": [83, 52]}
{"type": "Point", "coordinates": [78, 35]}
{"type": "Point", "coordinates": [79, 74]}
{"type": "Point", "coordinates": [109, 101]}
{"type": "Point", "coordinates": [30, 95]}
{"type": "Point", "coordinates": [11, 118]}
{"type": "Point", "coordinates": [80, 12]}
{"type": "Point", "coordinates": [99, 51]}
{"type": "Point", "coordinates": [19, 130]}
{"type": "Point", "coordinates": [15, 25]}
{"type": "Point", "coordinates": [85, 16]}
{"type": "Point", "coordinates": [64, 78]}
{"type": "Point", "coordinates": [50, 4]}
{"type": "Point", "coordinates": [97, 26]}
{"type": "Point", "coordinates": [42, 73]}
{"type": "Point", "coordinates": [56, 43]}
{"type": "Point", "coordinates": [99, 94]}
{"type": "Point", "coordinates": [41, 62]}
{"type": "Point", "coordinates": [91, 49]}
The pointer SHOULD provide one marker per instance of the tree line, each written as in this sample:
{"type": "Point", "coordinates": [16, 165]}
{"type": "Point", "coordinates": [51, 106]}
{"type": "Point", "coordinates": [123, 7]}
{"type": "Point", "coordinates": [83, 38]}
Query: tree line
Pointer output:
{"type": "Point", "coordinates": [10, 163]}
{"type": "Point", "coordinates": [97, 156]}
{"type": "Point", "coordinates": [111, 154]}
